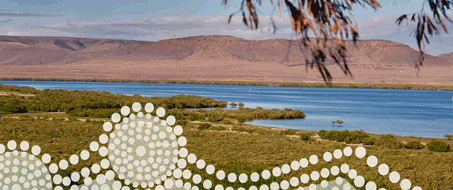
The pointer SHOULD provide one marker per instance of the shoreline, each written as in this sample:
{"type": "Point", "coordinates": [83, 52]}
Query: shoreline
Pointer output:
{"type": "Point", "coordinates": [315, 84]}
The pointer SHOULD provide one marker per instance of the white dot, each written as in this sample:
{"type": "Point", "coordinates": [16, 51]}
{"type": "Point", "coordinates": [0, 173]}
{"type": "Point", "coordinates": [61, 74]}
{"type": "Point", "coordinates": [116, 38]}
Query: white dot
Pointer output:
{"type": "Point", "coordinates": [207, 184]}
{"type": "Point", "coordinates": [53, 168]}
{"type": "Point", "coordinates": [35, 150]}
{"type": "Point", "coordinates": [335, 170]}
{"type": "Point", "coordinates": [372, 161]}
{"type": "Point", "coordinates": [11, 145]}
{"type": "Point", "coordinates": [295, 165]}
{"type": "Point", "coordinates": [324, 183]}
{"type": "Point", "coordinates": [84, 155]}
{"type": "Point", "coordinates": [94, 146]}
{"type": "Point", "coordinates": [160, 112]}
{"type": "Point", "coordinates": [182, 163]}
{"type": "Point", "coordinates": [284, 184]}
{"type": "Point", "coordinates": [337, 153]}
{"type": "Point", "coordinates": [178, 130]}
{"type": "Point", "coordinates": [196, 179]}
{"type": "Point", "coordinates": [125, 110]}
{"type": "Point", "coordinates": [325, 172]}
{"type": "Point", "coordinates": [274, 186]}
{"type": "Point", "coordinates": [95, 168]}
{"type": "Point", "coordinates": [266, 174]}
{"type": "Point", "coordinates": [103, 151]}
{"type": "Point", "coordinates": [116, 117]}
{"type": "Point", "coordinates": [105, 163]}
{"type": "Point", "coordinates": [347, 151]}
{"type": "Point", "coordinates": [286, 169]}
{"type": "Point", "coordinates": [168, 183]}
{"type": "Point", "coordinates": [359, 181]}
{"type": "Point", "coordinates": [200, 164]}
{"type": "Point", "coordinates": [294, 181]}
{"type": "Point", "coordinates": [314, 175]}
{"type": "Point", "coordinates": [24, 145]}
{"type": "Point", "coordinates": [232, 177]}
{"type": "Point", "coordinates": [85, 172]}
{"type": "Point", "coordinates": [149, 107]}
{"type": "Point", "coordinates": [352, 174]}
{"type": "Point", "coordinates": [264, 187]}
{"type": "Point", "coordinates": [75, 176]}
{"type": "Point", "coordinates": [339, 180]}
{"type": "Point", "coordinates": [254, 177]}
{"type": "Point", "coordinates": [171, 120]}
{"type": "Point", "coordinates": [360, 152]}
{"type": "Point", "coordinates": [186, 174]}
{"type": "Point", "coordinates": [46, 158]}
{"type": "Point", "coordinates": [218, 187]}
{"type": "Point", "coordinates": [192, 158]}
{"type": "Point", "coordinates": [243, 178]}
{"type": "Point", "coordinates": [210, 169]}
{"type": "Point", "coordinates": [313, 159]}
{"type": "Point", "coordinates": [417, 188]}
{"type": "Point", "coordinates": [74, 159]}
{"type": "Point", "coordinates": [182, 141]}
{"type": "Point", "coordinates": [394, 177]}
{"type": "Point", "coordinates": [383, 169]}
{"type": "Point", "coordinates": [304, 178]}
{"type": "Point", "coordinates": [141, 151]}
{"type": "Point", "coordinates": [220, 175]}
{"type": "Point", "coordinates": [327, 156]}
{"type": "Point", "coordinates": [63, 164]}
{"type": "Point", "coordinates": [371, 186]}
{"type": "Point", "coordinates": [344, 168]}
{"type": "Point", "coordinates": [136, 106]}
{"type": "Point", "coordinates": [103, 138]}
{"type": "Point", "coordinates": [303, 162]}
{"type": "Point", "coordinates": [346, 186]}
{"type": "Point", "coordinates": [276, 171]}
{"type": "Point", "coordinates": [57, 179]}
{"type": "Point", "coordinates": [405, 184]}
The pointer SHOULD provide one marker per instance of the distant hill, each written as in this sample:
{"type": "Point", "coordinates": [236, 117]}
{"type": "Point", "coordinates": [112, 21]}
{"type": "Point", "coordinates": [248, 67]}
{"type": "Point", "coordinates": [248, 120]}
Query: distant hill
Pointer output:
{"type": "Point", "coordinates": [23, 50]}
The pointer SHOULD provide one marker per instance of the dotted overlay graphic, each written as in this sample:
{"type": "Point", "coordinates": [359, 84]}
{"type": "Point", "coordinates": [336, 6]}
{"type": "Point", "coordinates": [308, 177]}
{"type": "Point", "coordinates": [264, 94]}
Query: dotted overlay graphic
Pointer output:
{"type": "Point", "coordinates": [146, 151]}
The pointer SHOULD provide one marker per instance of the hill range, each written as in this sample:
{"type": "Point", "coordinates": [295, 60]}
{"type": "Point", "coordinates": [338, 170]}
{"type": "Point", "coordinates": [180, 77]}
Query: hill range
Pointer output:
{"type": "Point", "coordinates": [210, 58]}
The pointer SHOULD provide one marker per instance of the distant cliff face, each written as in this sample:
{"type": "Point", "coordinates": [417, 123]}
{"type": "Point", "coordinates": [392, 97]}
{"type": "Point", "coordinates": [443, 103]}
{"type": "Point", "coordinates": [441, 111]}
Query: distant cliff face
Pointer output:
{"type": "Point", "coordinates": [21, 50]}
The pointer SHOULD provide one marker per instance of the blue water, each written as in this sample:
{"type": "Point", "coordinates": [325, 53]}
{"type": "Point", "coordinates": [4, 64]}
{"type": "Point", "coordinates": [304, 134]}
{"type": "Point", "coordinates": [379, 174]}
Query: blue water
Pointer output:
{"type": "Point", "coordinates": [400, 112]}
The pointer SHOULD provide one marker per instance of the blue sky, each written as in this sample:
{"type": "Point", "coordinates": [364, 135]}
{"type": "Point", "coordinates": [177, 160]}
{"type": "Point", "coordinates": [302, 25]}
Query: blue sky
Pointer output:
{"type": "Point", "coordinates": [152, 20]}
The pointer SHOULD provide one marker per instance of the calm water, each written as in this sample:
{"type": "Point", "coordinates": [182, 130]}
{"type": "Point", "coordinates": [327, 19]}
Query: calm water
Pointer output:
{"type": "Point", "coordinates": [400, 112]}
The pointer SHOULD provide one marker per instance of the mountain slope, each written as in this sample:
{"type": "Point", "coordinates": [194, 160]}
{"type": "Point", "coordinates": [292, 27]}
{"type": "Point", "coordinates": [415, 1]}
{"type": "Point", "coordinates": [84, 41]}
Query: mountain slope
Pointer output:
{"type": "Point", "coordinates": [18, 50]}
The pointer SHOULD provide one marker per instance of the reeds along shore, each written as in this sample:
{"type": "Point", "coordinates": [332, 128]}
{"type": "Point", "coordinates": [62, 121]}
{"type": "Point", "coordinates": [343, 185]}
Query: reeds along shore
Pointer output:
{"type": "Point", "coordinates": [446, 87]}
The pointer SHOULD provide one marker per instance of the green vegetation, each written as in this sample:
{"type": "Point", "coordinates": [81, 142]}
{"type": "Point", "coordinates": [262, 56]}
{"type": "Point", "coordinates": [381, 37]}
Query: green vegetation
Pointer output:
{"type": "Point", "coordinates": [255, 83]}
{"type": "Point", "coordinates": [449, 137]}
{"type": "Point", "coordinates": [389, 141]}
{"type": "Point", "coordinates": [244, 149]}
{"type": "Point", "coordinates": [306, 136]}
{"type": "Point", "coordinates": [240, 104]}
{"type": "Point", "coordinates": [349, 137]}
{"type": "Point", "coordinates": [204, 126]}
{"type": "Point", "coordinates": [438, 146]}
{"type": "Point", "coordinates": [233, 105]}
{"type": "Point", "coordinates": [414, 145]}
{"type": "Point", "coordinates": [338, 121]}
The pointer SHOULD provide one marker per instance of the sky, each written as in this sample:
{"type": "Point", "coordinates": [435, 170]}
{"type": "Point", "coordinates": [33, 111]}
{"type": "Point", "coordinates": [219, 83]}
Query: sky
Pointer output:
{"type": "Point", "coordinates": [154, 20]}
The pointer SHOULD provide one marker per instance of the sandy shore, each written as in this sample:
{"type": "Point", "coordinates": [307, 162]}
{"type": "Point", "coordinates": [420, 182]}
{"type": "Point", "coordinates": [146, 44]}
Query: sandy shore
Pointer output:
{"type": "Point", "coordinates": [227, 71]}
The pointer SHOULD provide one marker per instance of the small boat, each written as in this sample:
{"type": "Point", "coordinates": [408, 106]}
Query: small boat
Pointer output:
{"type": "Point", "coordinates": [250, 89]}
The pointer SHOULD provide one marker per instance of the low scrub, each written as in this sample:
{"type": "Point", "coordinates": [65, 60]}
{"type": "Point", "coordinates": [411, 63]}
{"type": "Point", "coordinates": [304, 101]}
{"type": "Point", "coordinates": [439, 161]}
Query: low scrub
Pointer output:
{"type": "Point", "coordinates": [389, 141]}
{"type": "Point", "coordinates": [438, 146]}
{"type": "Point", "coordinates": [204, 126]}
{"type": "Point", "coordinates": [350, 137]}
{"type": "Point", "coordinates": [414, 145]}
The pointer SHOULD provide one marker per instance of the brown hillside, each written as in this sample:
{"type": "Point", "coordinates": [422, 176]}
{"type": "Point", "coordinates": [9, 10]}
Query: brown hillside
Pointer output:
{"type": "Point", "coordinates": [210, 58]}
